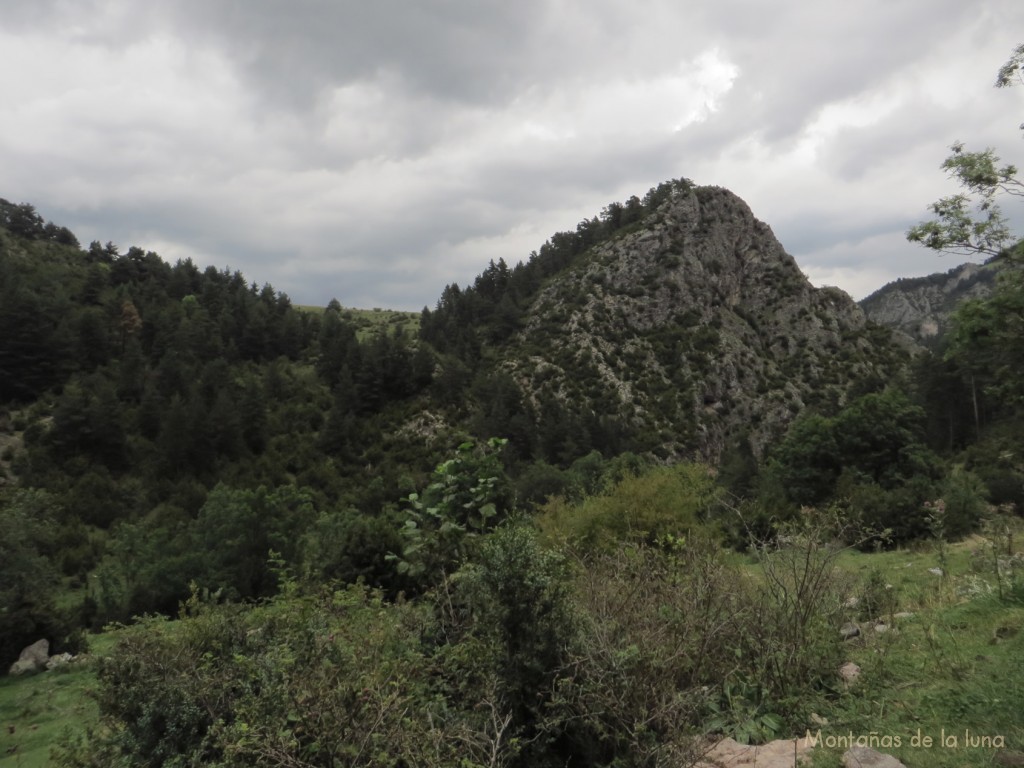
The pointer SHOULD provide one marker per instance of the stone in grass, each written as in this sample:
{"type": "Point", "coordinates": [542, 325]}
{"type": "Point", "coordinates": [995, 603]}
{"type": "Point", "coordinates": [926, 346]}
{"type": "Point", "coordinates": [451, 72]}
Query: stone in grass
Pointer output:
{"type": "Point", "coordinates": [849, 672]}
{"type": "Point", "coordinates": [935, 571]}
{"type": "Point", "coordinates": [849, 631]}
{"type": "Point", "coordinates": [865, 757]}
{"type": "Point", "coordinates": [32, 659]}
{"type": "Point", "coordinates": [59, 660]}
{"type": "Point", "coordinates": [781, 753]}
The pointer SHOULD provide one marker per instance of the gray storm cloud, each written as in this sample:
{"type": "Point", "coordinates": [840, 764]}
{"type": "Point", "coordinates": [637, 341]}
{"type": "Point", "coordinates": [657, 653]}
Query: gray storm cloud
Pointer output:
{"type": "Point", "coordinates": [377, 151]}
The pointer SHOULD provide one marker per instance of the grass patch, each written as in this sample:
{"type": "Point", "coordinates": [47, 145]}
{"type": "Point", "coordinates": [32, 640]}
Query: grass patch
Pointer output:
{"type": "Point", "coordinates": [951, 672]}
{"type": "Point", "coordinates": [35, 711]}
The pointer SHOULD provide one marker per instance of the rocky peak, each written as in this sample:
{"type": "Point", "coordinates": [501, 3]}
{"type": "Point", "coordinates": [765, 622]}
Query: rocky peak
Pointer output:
{"type": "Point", "coordinates": [695, 327]}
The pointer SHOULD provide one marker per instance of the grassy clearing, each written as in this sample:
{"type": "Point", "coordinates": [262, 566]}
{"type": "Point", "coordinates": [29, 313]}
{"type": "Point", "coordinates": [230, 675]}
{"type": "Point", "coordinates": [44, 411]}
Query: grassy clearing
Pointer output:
{"type": "Point", "coordinates": [35, 711]}
{"type": "Point", "coordinates": [953, 672]}
{"type": "Point", "coordinates": [369, 321]}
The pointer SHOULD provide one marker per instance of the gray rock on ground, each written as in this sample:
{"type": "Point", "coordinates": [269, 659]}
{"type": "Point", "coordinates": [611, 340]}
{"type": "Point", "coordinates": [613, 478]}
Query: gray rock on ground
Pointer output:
{"type": "Point", "coordinates": [59, 660]}
{"type": "Point", "coordinates": [781, 753]}
{"type": "Point", "coordinates": [32, 659]}
{"type": "Point", "coordinates": [849, 631]}
{"type": "Point", "coordinates": [849, 672]}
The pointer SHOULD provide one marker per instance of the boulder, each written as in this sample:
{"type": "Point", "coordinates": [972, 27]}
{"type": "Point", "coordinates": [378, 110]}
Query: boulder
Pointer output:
{"type": "Point", "coordinates": [32, 659]}
{"type": "Point", "coordinates": [59, 660]}
{"type": "Point", "coordinates": [849, 672]}
{"type": "Point", "coordinates": [865, 757]}
{"type": "Point", "coordinates": [781, 753]}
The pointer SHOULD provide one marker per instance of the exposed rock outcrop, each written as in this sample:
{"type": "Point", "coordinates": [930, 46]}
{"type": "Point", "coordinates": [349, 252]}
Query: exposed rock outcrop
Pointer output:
{"type": "Point", "coordinates": [695, 327]}
{"type": "Point", "coordinates": [921, 307]}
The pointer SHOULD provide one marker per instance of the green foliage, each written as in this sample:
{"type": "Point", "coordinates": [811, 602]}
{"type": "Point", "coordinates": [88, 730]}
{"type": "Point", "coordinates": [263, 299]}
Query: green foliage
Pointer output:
{"type": "Point", "coordinates": [28, 580]}
{"type": "Point", "coordinates": [880, 436]}
{"type": "Point", "coordinates": [741, 714]}
{"type": "Point", "coordinates": [876, 598]}
{"type": "Point", "coordinates": [466, 497]}
{"type": "Point", "coordinates": [959, 229]}
{"type": "Point", "coordinates": [985, 341]}
{"type": "Point", "coordinates": [237, 529]}
{"type": "Point", "coordinates": [790, 650]}
{"type": "Point", "coordinates": [956, 229]}
{"type": "Point", "coordinates": [539, 482]}
{"type": "Point", "coordinates": [667, 501]}
{"type": "Point", "coordinates": [147, 567]}
{"type": "Point", "coordinates": [653, 633]}
{"type": "Point", "coordinates": [350, 547]}
{"type": "Point", "coordinates": [520, 621]}
{"type": "Point", "coordinates": [871, 455]}
{"type": "Point", "coordinates": [964, 497]}
{"type": "Point", "coordinates": [319, 680]}
{"type": "Point", "coordinates": [807, 462]}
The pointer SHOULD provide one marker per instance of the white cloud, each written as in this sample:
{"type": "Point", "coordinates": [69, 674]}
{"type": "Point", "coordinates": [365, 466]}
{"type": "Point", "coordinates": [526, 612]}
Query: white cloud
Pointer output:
{"type": "Point", "coordinates": [377, 151]}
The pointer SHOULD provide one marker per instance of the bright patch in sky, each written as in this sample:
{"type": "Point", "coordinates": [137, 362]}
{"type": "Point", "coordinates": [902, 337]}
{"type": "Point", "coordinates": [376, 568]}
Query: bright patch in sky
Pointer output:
{"type": "Point", "coordinates": [346, 150]}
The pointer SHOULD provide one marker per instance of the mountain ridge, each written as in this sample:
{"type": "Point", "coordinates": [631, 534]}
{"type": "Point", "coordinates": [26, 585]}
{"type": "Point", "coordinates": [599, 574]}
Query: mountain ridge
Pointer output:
{"type": "Point", "coordinates": [697, 326]}
{"type": "Point", "coordinates": [920, 307]}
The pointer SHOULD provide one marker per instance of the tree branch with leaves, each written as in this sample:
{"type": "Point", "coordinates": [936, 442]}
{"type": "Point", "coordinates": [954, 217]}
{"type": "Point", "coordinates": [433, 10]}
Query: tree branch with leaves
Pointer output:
{"type": "Point", "coordinates": [972, 222]}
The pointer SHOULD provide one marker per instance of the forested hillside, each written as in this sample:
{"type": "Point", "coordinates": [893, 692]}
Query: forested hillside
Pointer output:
{"type": "Point", "coordinates": [499, 505]}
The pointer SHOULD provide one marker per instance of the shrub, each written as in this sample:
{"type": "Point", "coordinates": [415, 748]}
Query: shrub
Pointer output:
{"type": "Point", "coordinates": [640, 508]}
{"type": "Point", "coordinates": [964, 495]}
{"type": "Point", "coordinates": [322, 679]}
{"type": "Point", "coordinates": [655, 641]}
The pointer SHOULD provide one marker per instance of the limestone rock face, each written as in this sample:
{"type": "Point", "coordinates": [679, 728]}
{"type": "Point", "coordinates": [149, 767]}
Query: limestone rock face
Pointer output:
{"type": "Point", "coordinates": [693, 328]}
{"type": "Point", "coordinates": [32, 659]}
{"type": "Point", "coordinates": [920, 307]}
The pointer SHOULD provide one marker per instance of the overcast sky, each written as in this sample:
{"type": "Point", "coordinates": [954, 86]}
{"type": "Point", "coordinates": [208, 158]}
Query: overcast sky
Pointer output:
{"type": "Point", "coordinates": [375, 151]}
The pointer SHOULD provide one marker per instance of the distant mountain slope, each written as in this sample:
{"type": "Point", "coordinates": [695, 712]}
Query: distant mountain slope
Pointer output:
{"type": "Point", "coordinates": [694, 328]}
{"type": "Point", "coordinates": [920, 307]}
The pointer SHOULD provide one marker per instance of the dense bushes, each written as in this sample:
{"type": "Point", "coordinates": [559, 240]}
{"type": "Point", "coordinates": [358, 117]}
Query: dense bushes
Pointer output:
{"type": "Point", "coordinates": [872, 458]}
{"type": "Point", "coordinates": [28, 579]}
{"type": "Point", "coordinates": [526, 656]}
{"type": "Point", "coordinates": [664, 501]}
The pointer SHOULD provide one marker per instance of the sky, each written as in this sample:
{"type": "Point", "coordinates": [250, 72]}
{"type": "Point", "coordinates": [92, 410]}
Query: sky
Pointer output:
{"type": "Point", "coordinates": [375, 152]}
